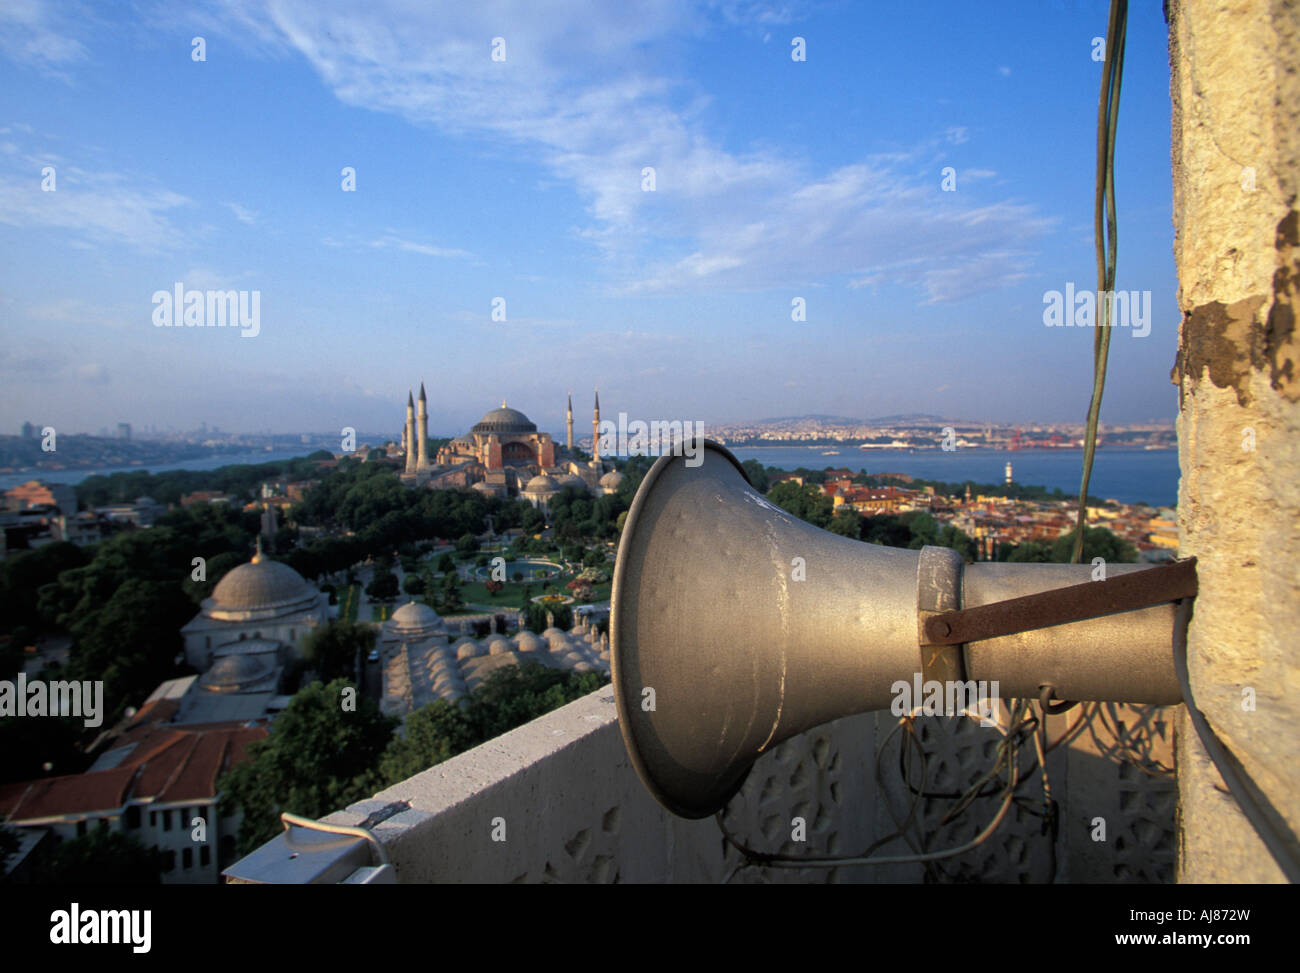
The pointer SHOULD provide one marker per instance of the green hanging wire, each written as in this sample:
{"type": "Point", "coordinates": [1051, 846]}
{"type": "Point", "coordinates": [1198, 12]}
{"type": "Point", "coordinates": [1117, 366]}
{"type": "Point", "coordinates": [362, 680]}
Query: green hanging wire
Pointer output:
{"type": "Point", "coordinates": [1104, 209]}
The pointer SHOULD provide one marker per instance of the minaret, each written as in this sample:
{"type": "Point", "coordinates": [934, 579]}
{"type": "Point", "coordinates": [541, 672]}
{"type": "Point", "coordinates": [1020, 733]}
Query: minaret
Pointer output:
{"type": "Point", "coordinates": [595, 430]}
{"type": "Point", "coordinates": [410, 432]}
{"type": "Point", "coordinates": [568, 441]}
{"type": "Point", "coordinates": [422, 432]}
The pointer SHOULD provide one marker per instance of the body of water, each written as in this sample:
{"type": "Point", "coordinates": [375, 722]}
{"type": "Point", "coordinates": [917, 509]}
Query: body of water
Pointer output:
{"type": "Point", "coordinates": [1126, 475]}
{"type": "Point", "coordinates": [9, 480]}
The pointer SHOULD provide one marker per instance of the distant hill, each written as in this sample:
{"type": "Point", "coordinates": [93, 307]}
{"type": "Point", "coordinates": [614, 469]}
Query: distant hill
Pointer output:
{"type": "Point", "coordinates": [915, 417]}
{"type": "Point", "coordinates": [818, 418]}
{"type": "Point", "coordinates": [911, 417]}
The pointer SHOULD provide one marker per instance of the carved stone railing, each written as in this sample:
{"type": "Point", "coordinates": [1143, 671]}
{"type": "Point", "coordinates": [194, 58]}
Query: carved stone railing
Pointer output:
{"type": "Point", "coordinates": [556, 800]}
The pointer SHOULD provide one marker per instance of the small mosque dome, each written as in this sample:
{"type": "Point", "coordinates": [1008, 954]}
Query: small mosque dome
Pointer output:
{"type": "Point", "coordinates": [526, 641]}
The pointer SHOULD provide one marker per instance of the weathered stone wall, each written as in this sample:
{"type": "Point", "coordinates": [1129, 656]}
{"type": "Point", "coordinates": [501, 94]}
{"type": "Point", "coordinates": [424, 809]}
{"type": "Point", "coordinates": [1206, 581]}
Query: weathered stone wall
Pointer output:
{"type": "Point", "coordinates": [557, 800]}
{"type": "Point", "coordinates": [1236, 131]}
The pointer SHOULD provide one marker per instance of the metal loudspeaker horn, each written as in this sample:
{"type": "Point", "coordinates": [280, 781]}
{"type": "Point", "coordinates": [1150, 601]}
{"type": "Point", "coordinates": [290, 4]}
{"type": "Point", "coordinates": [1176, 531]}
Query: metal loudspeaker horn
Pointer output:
{"type": "Point", "coordinates": [735, 625]}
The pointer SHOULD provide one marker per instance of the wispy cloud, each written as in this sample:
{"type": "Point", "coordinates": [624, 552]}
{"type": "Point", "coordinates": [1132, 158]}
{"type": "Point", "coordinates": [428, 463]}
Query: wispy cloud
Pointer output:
{"type": "Point", "coordinates": [242, 213]}
{"type": "Point", "coordinates": [39, 35]}
{"type": "Point", "coordinates": [97, 207]}
{"type": "Point", "coordinates": [718, 218]}
{"type": "Point", "coordinates": [392, 241]}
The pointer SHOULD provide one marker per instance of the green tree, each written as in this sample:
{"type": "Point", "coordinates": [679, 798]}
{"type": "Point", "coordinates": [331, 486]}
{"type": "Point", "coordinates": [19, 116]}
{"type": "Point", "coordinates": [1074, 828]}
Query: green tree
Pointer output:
{"type": "Point", "coordinates": [413, 584]}
{"type": "Point", "coordinates": [452, 600]}
{"type": "Point", "coordinates": [102, 857]}
{"type": "Point", "coordinates": [433, 733]}
{"type": "Point", "coordinates": [321, 756]}
{"type": "Point", "coordinates": [466, 544]}
{"type": "Point", "coordinates": [447, 563]}
{"type": "Point", "coordinates": [532, 520]}
{"type": "Point", "coordinates": [131, 643]}
{"type": "Point", "coordinates": [807, 502]}
{"type": "Point", "coordinates": [214, 570]}
{"type": "Point", "coordinates": [510, 697]}
{"type": "Point", "coordinates": [847, 522]}
{"type": "Point", "coordinates": [332, 649]}
{"type": "Point", "coordinates": [535, 616]}
{"type": "Point", "coordinates": [757, 474]}
{"type": "Point", "coordinates": [1030, 552]}
{"type": "Point", "coordinates": [1097, 542]}
{"type": "Point", "coordinates": [383, 585]}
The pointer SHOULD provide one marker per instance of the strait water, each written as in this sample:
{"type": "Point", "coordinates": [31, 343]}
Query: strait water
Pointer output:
{"type": "Point", "coordinates": [1126, 475]}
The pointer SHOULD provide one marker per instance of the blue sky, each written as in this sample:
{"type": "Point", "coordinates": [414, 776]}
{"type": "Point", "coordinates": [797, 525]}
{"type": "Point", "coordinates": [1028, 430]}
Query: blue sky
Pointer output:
{"type": "Point", "coordinates": [522, 179]}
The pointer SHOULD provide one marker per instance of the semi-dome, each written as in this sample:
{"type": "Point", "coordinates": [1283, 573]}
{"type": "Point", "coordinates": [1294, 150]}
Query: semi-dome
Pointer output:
{"type": "Point", "coordinates": [542, 484]}
{"type": "Point", "coordinates": [504, 421]}
{"type": "Point", "coordinates": [260, 586]}
{"type": "Point", "coordinates": [611, 480]}
{"type": "Point", "coordinates": [237, 672]}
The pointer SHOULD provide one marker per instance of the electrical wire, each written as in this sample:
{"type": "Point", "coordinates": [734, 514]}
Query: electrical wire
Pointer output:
{"type": "Point", "coordinates": [1008, 753]}
{"type": "Point", "coordinates": [1103, 208]}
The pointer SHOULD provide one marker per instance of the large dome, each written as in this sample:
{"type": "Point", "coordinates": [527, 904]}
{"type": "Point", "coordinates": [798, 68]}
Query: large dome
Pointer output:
{"type": "Point", "coordinates": [261, 585]}
{"type": "Point", "coordinates": [504, 421]}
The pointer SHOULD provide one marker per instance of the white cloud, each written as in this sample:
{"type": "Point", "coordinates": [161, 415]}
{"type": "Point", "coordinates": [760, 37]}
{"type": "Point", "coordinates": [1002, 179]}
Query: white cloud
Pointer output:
{"type": "Point", "coordinates": [392, 241]}
{"type": "Point", "coordinates": [583, 92]}
{"type": "Point", "coordinates": [37, 35]}
{"type": "Point", "coordinates": [98, 206]}
{"type": "Point", "coordinates": [242, 213]}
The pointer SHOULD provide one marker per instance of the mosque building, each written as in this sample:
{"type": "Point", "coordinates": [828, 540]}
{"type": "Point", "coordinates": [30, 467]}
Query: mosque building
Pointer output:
{"type": "Point", "coordinates": [243, 639]}
{"type": "Point", "coordinates": [504, 455]}
{"type": "Point", "coordinates": [420, 663]}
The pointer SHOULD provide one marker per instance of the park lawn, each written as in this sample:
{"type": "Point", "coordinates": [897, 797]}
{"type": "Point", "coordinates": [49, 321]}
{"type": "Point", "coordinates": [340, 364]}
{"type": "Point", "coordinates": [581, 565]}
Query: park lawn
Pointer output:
{"type": "Point", "coordinates": [511, 596]}
{"type": "Point", "coordinates": [349, 601]}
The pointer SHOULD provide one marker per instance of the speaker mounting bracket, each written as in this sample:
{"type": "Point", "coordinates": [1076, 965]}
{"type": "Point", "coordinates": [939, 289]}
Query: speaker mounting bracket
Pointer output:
{"type": "Point", "coordinates": [1059, 606]}
{"type": "Point", "coordinates": [938, 595]}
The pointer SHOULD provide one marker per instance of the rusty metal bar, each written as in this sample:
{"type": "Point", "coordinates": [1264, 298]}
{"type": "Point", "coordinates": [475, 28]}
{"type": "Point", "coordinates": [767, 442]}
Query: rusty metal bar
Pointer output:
{"type": "Point", "coordinates": [1124, 592]}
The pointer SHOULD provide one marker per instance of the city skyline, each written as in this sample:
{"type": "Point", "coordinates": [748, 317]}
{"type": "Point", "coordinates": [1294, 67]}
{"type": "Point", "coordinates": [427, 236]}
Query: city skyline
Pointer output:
{"type": "Point", "coordinates": [795, 250]}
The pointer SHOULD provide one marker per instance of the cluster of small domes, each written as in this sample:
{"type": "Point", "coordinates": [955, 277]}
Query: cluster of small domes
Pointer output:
{"type": "Point", "coordinates": [419, 671]}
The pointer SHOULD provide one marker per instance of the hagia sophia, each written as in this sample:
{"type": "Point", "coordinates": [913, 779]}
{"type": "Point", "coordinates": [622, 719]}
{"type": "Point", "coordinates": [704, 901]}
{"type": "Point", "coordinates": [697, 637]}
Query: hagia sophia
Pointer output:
{"type": "Point", "coordinates": [504, 455]}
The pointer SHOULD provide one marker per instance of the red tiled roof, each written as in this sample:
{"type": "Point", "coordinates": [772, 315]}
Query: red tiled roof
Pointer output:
{"type": "Point", "coordinates": [168, 764]}
{"type": "Point", "coordinates": [74, 794]}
